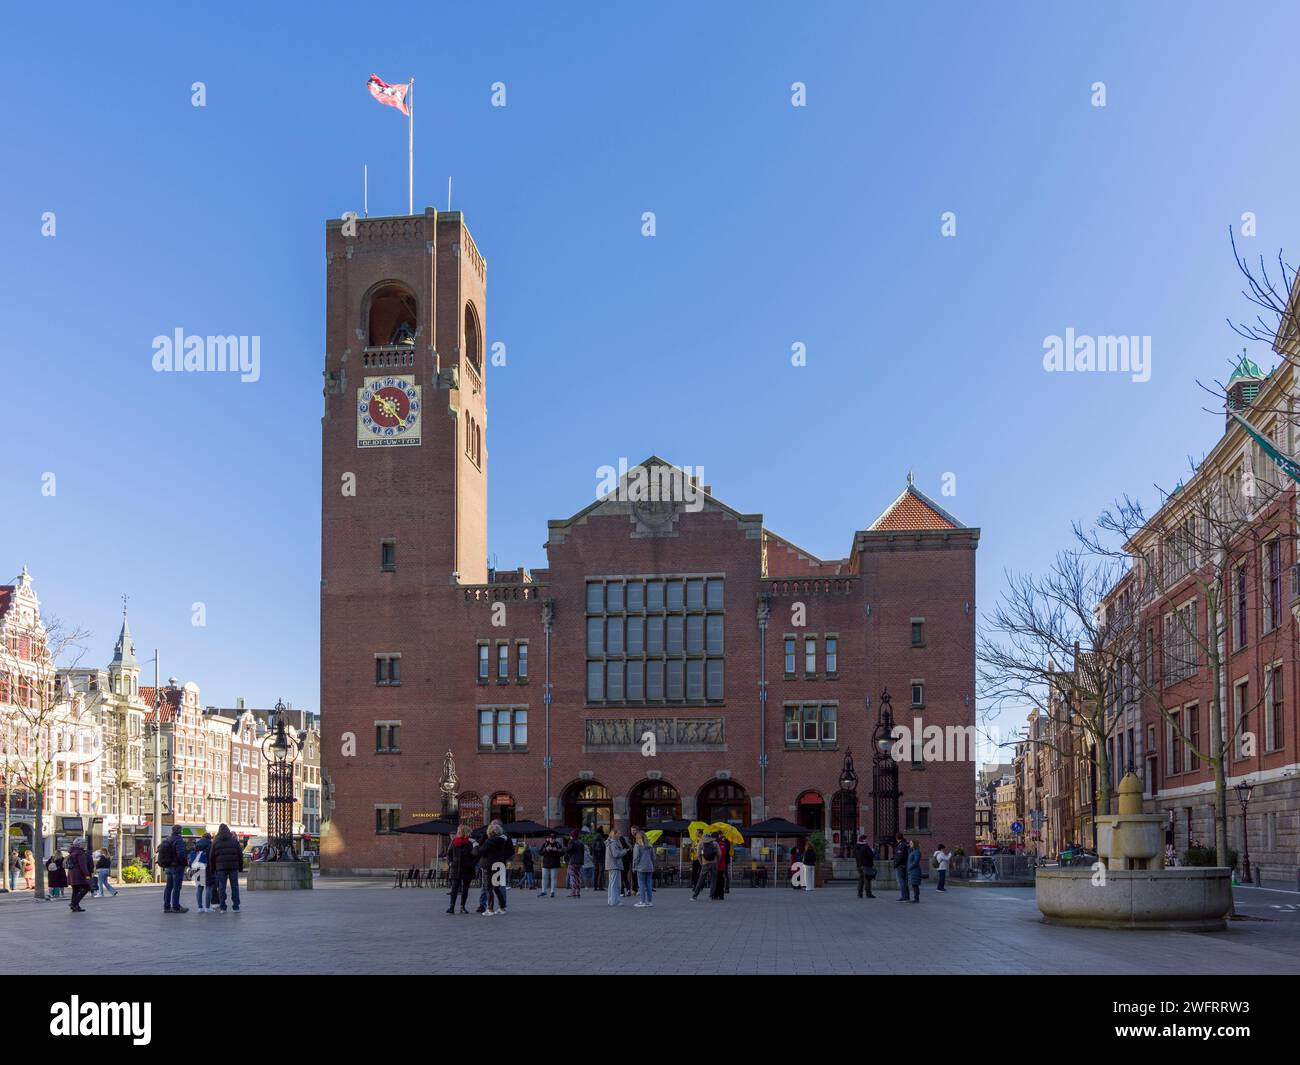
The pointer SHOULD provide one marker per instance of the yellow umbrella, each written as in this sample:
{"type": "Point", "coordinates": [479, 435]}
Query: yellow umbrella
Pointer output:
{"type": "Point", "coordinates": [729, 832]}
{"type": "Point", "coordinates": [653, 835]}
{"type": "Point", "coordinates": [696, 829]}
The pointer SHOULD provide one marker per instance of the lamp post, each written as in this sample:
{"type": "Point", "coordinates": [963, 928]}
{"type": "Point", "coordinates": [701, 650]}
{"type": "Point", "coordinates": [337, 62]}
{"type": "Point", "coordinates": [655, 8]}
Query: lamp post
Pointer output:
{"type": "Point", "coordinates": [279, 752]}
{"type": "Point", "coordinates": [845, 809]}
{"type": "Point", "coordinates": [884, 778]}
{"type": "Point", "coordinates": [1244, 791]}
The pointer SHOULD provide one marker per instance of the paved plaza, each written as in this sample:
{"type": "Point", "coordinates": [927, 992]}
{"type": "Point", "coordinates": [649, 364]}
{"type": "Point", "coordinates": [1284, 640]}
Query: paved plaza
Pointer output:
{"type": "Point", "coordinates": [350, 926]}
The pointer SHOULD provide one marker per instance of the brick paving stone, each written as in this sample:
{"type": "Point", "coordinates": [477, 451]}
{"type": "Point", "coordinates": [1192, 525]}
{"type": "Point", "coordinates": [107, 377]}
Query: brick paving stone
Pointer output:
{"type": "Point", "coordinates": [367, 926]}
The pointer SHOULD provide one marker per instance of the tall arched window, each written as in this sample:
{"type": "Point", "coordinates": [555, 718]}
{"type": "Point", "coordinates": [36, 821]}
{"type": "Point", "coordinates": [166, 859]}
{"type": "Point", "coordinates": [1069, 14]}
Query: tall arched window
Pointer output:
{"type": "Point", "coordinates": [473, 338]}
{"type": "Point", "coordinates": [392, 316]}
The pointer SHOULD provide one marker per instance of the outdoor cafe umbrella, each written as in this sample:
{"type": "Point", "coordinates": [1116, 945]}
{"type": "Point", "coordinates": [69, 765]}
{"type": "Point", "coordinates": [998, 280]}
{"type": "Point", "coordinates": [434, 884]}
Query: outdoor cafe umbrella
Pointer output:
{"type": "Point", "coordinates": [526, 830]}
{"type": "Point", "coordinates": [436, 827]}
{"type": "Point", "coordinates": [776, 828]}
{"type": "Point", "coordinates": [671, 827]}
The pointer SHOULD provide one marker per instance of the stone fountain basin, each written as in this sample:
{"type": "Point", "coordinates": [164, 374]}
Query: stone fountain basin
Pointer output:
{"type": "Point", "coordinates": [1179, 899]}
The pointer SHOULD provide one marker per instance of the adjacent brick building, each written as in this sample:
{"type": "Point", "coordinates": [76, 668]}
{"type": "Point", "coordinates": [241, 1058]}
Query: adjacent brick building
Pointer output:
{"type": "Point", "coordinates": [676, 658]}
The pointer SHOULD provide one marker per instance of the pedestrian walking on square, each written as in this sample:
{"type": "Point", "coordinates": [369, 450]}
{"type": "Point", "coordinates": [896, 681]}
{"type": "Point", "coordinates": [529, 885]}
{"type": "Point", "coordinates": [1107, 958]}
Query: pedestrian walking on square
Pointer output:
{"type": "Point", "coordinates": [808, 857]}
{"type": "Point", "coordinates": [173, 859]}
{"type": "Point", "coordinates": [102, 868]}
{"type": "Point", "coordinates": [56, 875]}
{"type": "Point", "coordinates": [719, 890]}
{"type": "Point", "coordinates": [706, 849]}
{"type": "Point", "coordinates": [865, 858]}
{"type": "Point", "coordinates": [81, 872]}
{"type": "Point", "coordinates": [200, 870]}
{"type": "Point", "coordinates": [15, 862]}
{"type": "Point", "coordinates": [494, 851]}
{"type": "Point", "coordinates": [900, 866]}
{"type": "Point", "coordinates": [227, 860]}
{"type": "Point", "coordinates": [614, 853]}
{"type": "Point", "coordinates": [460, 867]}
{"type": "Point", "coordinates": [552, 852]}
{"type": "Point", "coordinates": [942, 858]}
{"type": "Point", "coordinates": [589, 864]}
{"type": "Point", "coordinates": [527, 862]}
{"type": "Point", "coordinates": [625, 869]}
{"type": "Point", "coordinates": [643, 864]}
{"type": "Point", "coordinates": [576, 854]}
{"type": "Point", "coordinates": [597, 857]}
{"type": "Point", "coordinates": [29, 871]}
{"type": "Point", "coordinates": [914, 871]}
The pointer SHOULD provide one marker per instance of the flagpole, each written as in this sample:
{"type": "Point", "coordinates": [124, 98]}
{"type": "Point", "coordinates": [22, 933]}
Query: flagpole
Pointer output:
{"type": "Point", "coordinates": [410, 149]}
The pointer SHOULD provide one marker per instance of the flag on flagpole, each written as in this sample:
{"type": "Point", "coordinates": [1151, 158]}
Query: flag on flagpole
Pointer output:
{"type": "Point", "coordinates": [1286, 465]}
{"type": "Point", "coordinates": [392, 95]}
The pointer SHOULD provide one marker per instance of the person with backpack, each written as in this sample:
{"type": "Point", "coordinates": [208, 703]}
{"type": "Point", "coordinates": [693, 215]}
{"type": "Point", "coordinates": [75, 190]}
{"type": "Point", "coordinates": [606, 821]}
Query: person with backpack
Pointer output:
{"type": "Point", "coordinates": [102, 868]}
{"type": "Point", "coordinates": [56, 875]}
{"type": "Point", "coordinates": [526, 861]}
{"type": "Point", "coordinates": [460, 867]}
{"type": "Point", "coordinates": [80, 873]}
{"type": "Point", "coordinates": [552, 852]}
{"type": "Point", "coordinates": [865, 858]}
{"type": "Point", "coordinates": [614, 851]}
{"type": "Point", "coordinates": [173, 859]}
{"type": "Point", "coordinates": [707, 852]}
{"type": "Point", "coordinates": [226, 858]}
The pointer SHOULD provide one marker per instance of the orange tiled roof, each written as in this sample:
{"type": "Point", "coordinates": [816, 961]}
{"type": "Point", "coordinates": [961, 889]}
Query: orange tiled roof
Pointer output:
{"type": "Point", "coordinates": [171, 701]}
{"type": "Point", "coordinates": [912, 511]}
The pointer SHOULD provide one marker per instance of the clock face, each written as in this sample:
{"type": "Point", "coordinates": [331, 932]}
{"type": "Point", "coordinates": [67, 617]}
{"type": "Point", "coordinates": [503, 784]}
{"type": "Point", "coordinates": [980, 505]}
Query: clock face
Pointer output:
{"type": "Point", "coordinates": [388, 412]}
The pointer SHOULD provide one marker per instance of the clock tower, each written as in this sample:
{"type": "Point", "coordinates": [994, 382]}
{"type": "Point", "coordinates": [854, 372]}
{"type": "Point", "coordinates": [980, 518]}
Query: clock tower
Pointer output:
{"type": "Point", "coordinates": [403, 453]}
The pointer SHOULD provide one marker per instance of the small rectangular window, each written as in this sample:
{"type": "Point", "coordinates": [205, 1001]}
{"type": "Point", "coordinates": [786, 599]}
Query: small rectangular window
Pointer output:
{"type": "Point", "coordinates": [595, 636]}
{"type": "Point", "coordinates": [918, 694]}
{"type": "Point", "coordinates": [832, 656]}
{"type": "Point", "coordinates": [676, 679]}
{"type": "Point", "coordinates": [636, 636]}
{"type": "Point", "coordinates": [675, 594]}
{"type": "Point", "coordinates": [482, 661]}
{"type": "Point", "coordinates": [918, 634]}
{"type": "Point", "coordinates": [714, 678]}
{"type": "Point", "coordinates": [635, 679]}
{"type": "Point", "coordinates": [485, 728]}
{"type": "Point", "coordinates": [614, 597]}
{"type": "Point", "coordinates": [654, 680]}
{"type": "Point", "coordinates": [635, 595]}
{"type": "Point", "coordinates": [789, 656]}
{"type": "Point", "coordinates": [503, 661]}
{"type": "Point", "coordinates": [654, 595]}
{"type": "Point", "coordinates": [388, 555]}
{"type": "Point", "coordinates": [715, 595]}
{"type": "Point", "coordinates": [810, 655]}
{"type": "Point", "coordinates": [694, 679]}
{"type": "Point", "coordinates": [595, 681]}
{"type": "Point", "coordinates": [695, 595]}
{"type": "Point", "coordinates": [521, 662]}
{"type": "Point", "coordinates": [792, 725]}
{"type": "Point", "coordinates": [614, 680]}
{"type": "Point", "coordinates": [595, 597]}
{"type": "Point", "coordinates": [713, 640]}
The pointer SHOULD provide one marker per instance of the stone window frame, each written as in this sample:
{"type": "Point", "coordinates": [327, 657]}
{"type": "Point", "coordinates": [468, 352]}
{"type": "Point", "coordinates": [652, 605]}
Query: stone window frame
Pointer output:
{"type": "Point", "coordinates": [789, 640]}
{"type": "Point", "coordinates": [799, 706]}
{"type": "Point", "coordinates": [390, 725]}
{"type": "Point", "coordinates": [910, 807]}
{"type": "Point", "coordinates": [482, 661]}
{"type": "Point", "coordinates": [917, 637]}
{"type": "Point", "coordinates": [390, 808]}
{"type": "Point", "coordinates": [502, 660]}
{"type": "Point", "coordinates": [917, 683]}
{"type": "Point", "coordinates": [495, 709]}
{"type": "Point", "coordinates": [386, 566]}
{"type": "Point", "coordinates": [828, 655]}
{"type": "Point", "coordinates": [390, 657]}
{"type": "Point", "coordinates": [646, 657]}
{"type": "Point", "coordinates": [809, 638]}
{"type": "Point", "coordinates": [521, 657]}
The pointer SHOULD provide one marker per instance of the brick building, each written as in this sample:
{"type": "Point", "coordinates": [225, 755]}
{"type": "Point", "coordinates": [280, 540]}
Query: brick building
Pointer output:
{"type": "Point", "coordinates": [676, 658]}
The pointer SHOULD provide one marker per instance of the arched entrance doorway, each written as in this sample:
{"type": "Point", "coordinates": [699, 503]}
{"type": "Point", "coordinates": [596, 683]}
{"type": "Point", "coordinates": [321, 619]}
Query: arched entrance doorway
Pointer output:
{"type": "Point", "coordinates": [469, 808]}
{"type": "Point", "coordinates": [723, 800]}
{"type": "Point", "coordinates": [587, 804]}
{"type": "Point", "coordinates": [502, 807]}
{"type": "Point", "coordinates": [811, 811]}
{"type": "Point", "coordinates": [654, 800]}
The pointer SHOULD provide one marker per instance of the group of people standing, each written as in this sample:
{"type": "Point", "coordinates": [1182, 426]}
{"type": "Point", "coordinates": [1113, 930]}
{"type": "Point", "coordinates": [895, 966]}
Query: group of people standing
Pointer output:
{"type": "Point", "coordinates": [213, 865]}
{"type": "Point", "coordinates": [76, 871]}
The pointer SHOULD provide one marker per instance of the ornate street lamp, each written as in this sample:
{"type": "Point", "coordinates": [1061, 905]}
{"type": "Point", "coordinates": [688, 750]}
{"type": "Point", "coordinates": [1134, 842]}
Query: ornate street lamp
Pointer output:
{"type": "Point", "coordinates": [280, 752]}
{"type": "Point", "coordinates": [844, 812]}
{"type": "Point", "coordinates": [884, 778]}
{"type": "Point", "coordinates": [1244, 791]}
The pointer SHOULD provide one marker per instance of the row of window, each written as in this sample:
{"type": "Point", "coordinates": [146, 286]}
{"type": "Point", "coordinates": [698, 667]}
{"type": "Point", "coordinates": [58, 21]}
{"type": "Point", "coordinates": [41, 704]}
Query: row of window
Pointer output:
{"type": "Point", "coordinates": [667, 595]}
{"type": "Point", "coordinates": [503, 661]}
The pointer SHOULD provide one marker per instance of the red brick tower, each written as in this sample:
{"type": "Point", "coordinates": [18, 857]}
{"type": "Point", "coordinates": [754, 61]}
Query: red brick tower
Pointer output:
{"type": "Point", "coordinates": [404, 459]}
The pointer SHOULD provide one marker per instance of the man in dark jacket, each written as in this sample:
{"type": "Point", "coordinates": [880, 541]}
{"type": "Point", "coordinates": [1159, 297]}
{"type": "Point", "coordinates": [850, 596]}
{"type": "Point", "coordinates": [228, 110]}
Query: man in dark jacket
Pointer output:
{"type": "Point", "coordinates": [494, 855]}
{"type": "Point", "coordinates": [552, 852]}
{"type": "Point", "coordinates": [597, 857]}
{"type": "Point", "coordinates": [866, 861]}
{"type": "Point", "coordinates": [174, 858]}
{"type": "Point", "coordinates": [900, 866]}
{"type": "Point", "coordinates": [460, 868]}
{"type": "Point", "coordinates": [80, 873]}
{"type": "Point", "coordinates": [227, 861]}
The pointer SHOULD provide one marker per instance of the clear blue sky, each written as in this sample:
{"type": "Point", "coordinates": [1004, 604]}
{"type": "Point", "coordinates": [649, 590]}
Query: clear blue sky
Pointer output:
{"type": "Point", "coordinates": [776, 225]}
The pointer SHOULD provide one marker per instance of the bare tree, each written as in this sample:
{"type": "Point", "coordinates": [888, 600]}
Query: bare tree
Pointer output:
{"type": "Point", "coordinates": [1196, 557]}
{"type": "Point", "coordinates": [1045, 646]}
{"type": "Point", "coordinates": [46, 719]}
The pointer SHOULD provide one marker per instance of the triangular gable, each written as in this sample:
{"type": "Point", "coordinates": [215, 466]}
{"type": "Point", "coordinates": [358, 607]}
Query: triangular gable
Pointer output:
{"type": "Point", "coordinates": [913, 510]}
